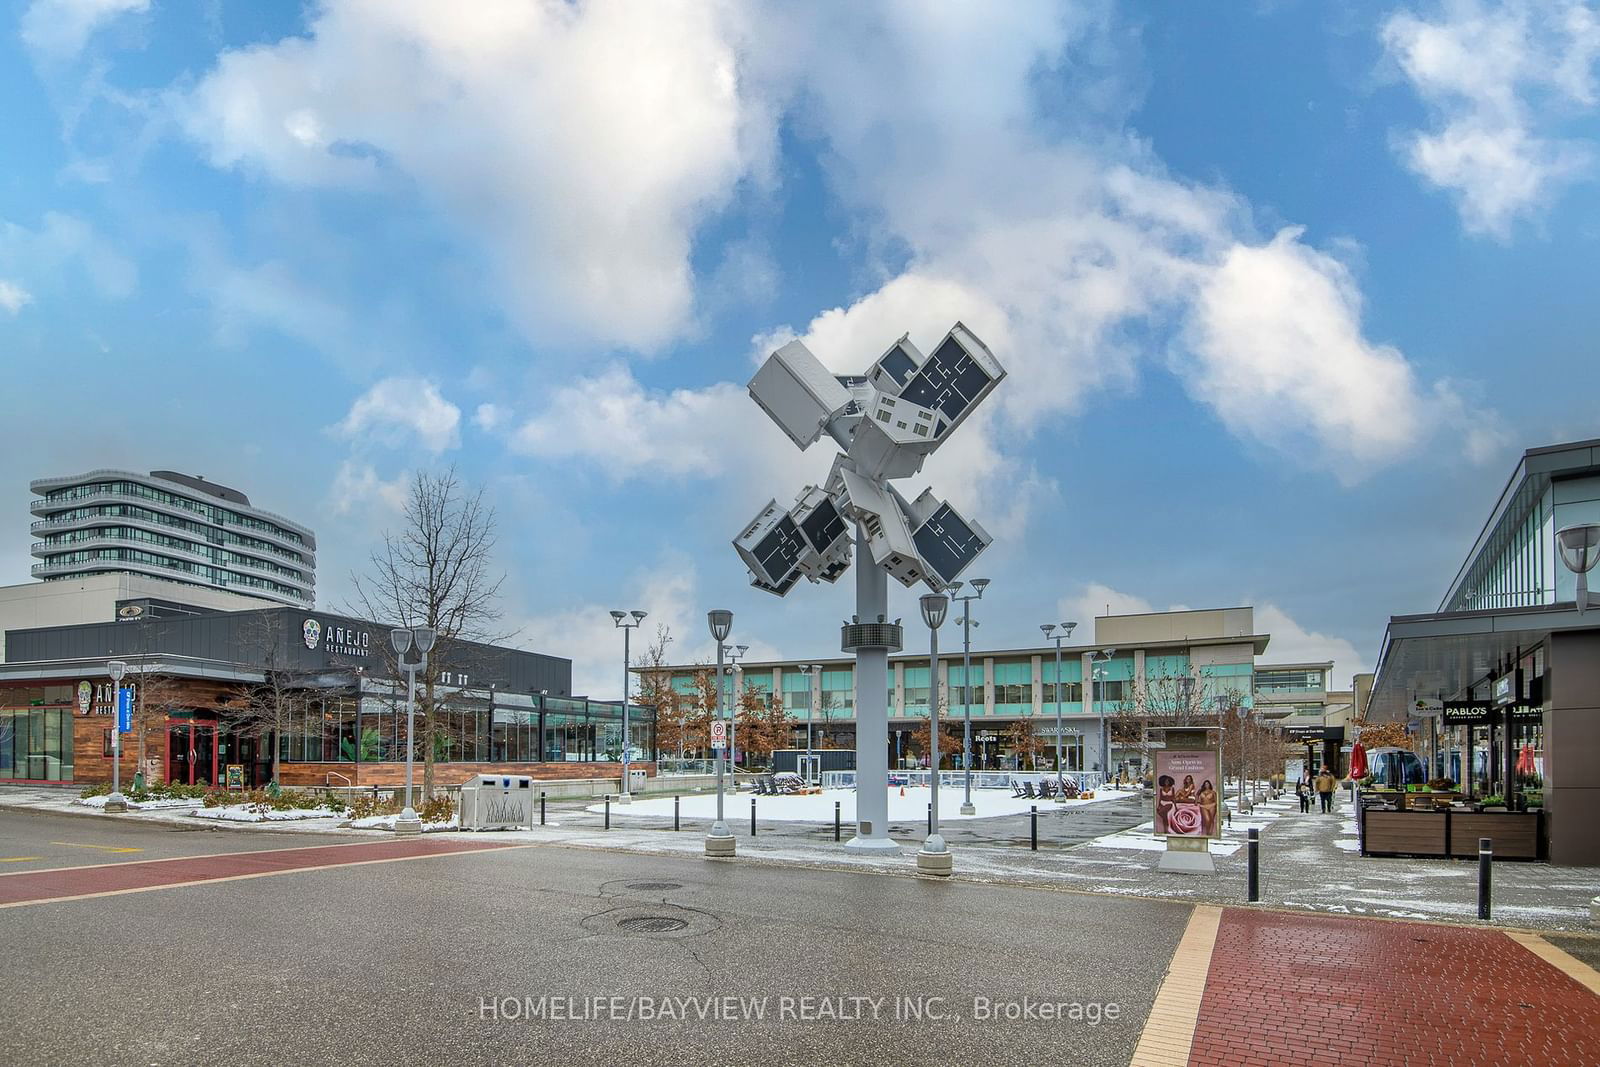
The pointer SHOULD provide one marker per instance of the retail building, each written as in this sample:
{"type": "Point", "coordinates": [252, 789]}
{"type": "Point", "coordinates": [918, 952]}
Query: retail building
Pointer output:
{"type": "Point", "coordinates": [1501, 684]}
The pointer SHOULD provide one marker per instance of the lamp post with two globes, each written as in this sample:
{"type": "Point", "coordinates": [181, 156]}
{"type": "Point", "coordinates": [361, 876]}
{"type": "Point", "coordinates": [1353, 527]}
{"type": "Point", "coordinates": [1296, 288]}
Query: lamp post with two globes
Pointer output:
{"type": "Point", "coordinates": [979, 584]}
{"type": "Point", "coordinates": [404, 640]}
{"type": "Point", "coordinates": [620, 620]}
{"type": "Point", "coordinates": [1066, 632]}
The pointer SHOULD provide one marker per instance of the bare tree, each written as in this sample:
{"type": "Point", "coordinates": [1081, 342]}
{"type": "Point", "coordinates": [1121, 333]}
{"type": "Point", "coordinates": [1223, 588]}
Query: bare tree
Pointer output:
{"type": "Point", "coordinates": [282, 695]}
{"type": "Point", "coordinates": [1025, 742]}
{"type": "Point", "coordinates": [435, 571]}
{"type": "Point", "coordinates": [656, 690]}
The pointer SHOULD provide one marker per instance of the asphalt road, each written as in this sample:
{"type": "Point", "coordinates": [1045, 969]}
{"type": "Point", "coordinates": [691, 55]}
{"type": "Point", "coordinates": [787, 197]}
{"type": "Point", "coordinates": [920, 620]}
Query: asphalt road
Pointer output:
{"type": "Point", "coordinates": [445, 959]}
{"type": "Point", "coordinates": [32, 841]}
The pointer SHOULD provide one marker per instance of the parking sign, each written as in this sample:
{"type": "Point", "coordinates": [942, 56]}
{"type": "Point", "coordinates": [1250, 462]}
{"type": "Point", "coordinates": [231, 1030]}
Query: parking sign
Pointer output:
{"type": "Point", "coordinates": [719, 734]}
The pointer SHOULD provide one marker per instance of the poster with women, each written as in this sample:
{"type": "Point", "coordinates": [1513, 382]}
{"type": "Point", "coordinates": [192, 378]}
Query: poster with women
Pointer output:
{"type": "Point", "coordinates": [1188, 793]}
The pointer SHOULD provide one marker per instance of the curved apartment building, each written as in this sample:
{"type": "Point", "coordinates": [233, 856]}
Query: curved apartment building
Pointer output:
{"type": "Point", "coordinates": [171, 526]}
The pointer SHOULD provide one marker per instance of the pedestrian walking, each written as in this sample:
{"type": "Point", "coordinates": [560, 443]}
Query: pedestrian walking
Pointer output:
{"type": "Point", "coordinates": [1326, 784]}
{"type": "Point", "coordinates": [1302, 789]}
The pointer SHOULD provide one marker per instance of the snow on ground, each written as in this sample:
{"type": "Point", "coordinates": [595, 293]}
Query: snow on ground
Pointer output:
{"type": "Point", "coordinates": [386, 822]}
{"type": "Point", "coordinates": [99, 803]}
{"type": "Point", "coordinates": [818, 807]}
{"type": "Point", "coordinates": [248, 813]}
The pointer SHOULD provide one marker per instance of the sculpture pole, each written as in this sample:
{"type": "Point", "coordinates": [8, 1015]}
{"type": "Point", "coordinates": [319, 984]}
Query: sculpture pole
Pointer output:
{"type": "Point", "coordinates": [872, 710]}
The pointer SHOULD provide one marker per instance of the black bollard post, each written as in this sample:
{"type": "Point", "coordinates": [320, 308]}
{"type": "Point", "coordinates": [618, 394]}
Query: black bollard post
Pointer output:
{"type": "Point", "coordinates": [675, 801]}
{"type": "Point", "coordinates": [1033, 832]}
{"type": "Point", "coordinates": [836, 820]}
{"type": "Point", "coordinates": [1255, 864]}
{"type": "Point", "coordinates": [541, 807]}
{"type": "Point", "coordinates": [608, 811]}
{"type": "Point", "coordinates": [1485, 859]}
{"type": "Point", "coordinates": [930, 817]}
{"type": "Point", "coordinates": [752, 816]}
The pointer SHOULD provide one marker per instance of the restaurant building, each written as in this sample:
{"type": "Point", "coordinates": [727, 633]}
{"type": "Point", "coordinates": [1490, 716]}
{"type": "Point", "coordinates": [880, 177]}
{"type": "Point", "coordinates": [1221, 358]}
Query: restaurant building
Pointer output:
{"type": "Point", "coordinates": [219, 690]}
{"type": "Point", "coordinates": [1501, 684]}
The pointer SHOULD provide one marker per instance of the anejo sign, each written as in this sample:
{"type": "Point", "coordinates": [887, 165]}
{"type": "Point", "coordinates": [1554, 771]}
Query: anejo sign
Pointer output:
{"type": "Point", "coordinates": [340, 640]}
{"type": "Point", "coordinates": [100, 698]}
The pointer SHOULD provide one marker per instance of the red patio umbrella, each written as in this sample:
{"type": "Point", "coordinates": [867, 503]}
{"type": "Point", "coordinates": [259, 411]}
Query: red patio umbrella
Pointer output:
{"type": "Point", "coordinates": [1358, 760]}
{"type": "Point", "coordinates": [1525, 764]}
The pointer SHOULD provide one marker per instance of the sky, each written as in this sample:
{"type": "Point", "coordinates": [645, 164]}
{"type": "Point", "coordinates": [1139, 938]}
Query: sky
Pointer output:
{"type": "Point", "coordinates": [1283, 288]}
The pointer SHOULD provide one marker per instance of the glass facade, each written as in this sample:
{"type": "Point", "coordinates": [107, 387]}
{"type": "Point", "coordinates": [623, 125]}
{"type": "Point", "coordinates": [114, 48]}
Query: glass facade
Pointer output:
{"type": "Point", "coordinates": [341, 728]}
{"type": "Point", "coordinates": [36, 733]}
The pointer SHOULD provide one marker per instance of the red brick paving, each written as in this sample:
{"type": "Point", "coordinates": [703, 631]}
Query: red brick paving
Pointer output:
{"type": "Point", "coordinates": [107, 878]}
{"type": "Point", "coordinates": [1317, 989]}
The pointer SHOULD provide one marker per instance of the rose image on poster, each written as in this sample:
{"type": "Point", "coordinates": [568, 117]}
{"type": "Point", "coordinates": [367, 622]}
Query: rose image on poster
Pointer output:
{"type": "Point", "coordinates": [1186, 800]}
{"type": "Point", "coordinates": [1185, 820]}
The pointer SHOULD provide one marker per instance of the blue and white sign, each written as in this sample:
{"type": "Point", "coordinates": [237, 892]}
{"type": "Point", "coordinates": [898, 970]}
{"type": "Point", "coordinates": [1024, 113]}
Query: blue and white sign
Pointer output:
{"type": "Point", "coordinates": [125, 710]}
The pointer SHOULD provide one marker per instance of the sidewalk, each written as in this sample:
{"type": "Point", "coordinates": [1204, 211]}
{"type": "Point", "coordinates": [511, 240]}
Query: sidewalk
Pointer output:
{"type": "Point", "coordinates": [1308, 862]}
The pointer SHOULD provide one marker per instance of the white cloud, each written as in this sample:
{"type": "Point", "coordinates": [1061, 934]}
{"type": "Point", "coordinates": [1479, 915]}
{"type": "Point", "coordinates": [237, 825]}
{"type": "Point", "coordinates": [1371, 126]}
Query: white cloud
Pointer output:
{"type": "Point", "coordinates": [614, 422]}
{"type": "Point", "coordinates": [13, 296]}
{"type": "Point", "coordinates": [1499, 78]}
{"type": "Point", "coordinates": [489, 417]}
{"type": "Point", "coordinates": [357, 487]}
{"type": "Point", "coordinates": [58, 29]}
{"type": "Point", "coordinates": [587, 634]}
{"type": "Point", "coordinates": [397, 409]}
{"type": "Point", "coordinates": [63, 246]}
{"type": "Point", "coordinates": [1274, 346]}
{"type": "Point", "coordinates": [576, 147]}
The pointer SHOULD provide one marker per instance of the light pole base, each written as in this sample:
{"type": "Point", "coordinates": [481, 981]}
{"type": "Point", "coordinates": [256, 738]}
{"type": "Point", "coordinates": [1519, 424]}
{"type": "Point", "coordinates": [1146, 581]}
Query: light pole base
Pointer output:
{"type": "Point", "coordinates": [968, 809]}
{"type": "Point", "coordinates": [871, 844]}
{"type": "Point", "coordinates": [934, 857]}
{"type": "Point", "coordinates": [720, 847]}
{"type": "Point", "coordinates": [623, 798]}
{"type": "Point", "coordinates": [116, 802]}
{"type": "Point", "coordinates": [407, 825]}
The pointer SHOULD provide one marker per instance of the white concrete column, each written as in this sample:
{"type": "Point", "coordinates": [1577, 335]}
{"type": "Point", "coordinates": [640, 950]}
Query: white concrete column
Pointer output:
{"type": "Point", "coordinates": [988, 685]}
{"type": "Point", "coordinates": [1038, 685]}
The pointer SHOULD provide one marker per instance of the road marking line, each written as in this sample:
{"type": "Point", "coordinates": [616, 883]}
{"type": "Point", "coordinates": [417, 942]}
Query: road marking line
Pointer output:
{"type": "Point", "coordinates": [102, 848]}
{"type": "Point", "coordinates": [17, 859]}
{"type": "Point", "coordinates": [1561, 960]}
{"type": "Point", "coordinates": [180, 859]}
{"type": "Point", "coordinates": [1168, 1034]}
{"type": "Point", "coordinates": [256, 874]}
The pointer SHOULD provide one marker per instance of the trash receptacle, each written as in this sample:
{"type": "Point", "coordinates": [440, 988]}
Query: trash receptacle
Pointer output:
{"type": "Point", "coordinates": [636, 780]}
{"type": "Point", "coordinates": [497, 802]}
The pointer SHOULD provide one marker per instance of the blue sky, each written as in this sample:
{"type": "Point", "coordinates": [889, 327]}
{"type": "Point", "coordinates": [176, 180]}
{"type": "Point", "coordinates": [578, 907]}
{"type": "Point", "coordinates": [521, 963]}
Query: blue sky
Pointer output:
{"type": "Point", "coordinates": [1283, 287]}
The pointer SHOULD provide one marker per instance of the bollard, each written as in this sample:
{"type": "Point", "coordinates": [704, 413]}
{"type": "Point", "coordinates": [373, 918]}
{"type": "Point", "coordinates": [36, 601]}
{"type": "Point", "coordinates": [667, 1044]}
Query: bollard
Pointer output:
{"type": "Point", "coordinates": [836, 820]}
{"type": "Point", "coordinates": [930, 818]}
{"type": "Point", "coordinates": [541, 807]}
{"type": "Point", "coordinates": [608, 811]}
{"type": "Point", "coordinates": [1255, 864]}
{"type": "Point", "coordinates": [1485, 858]}
{"type": "Point", "coordinates": [675, 801]}
{"type": "Point", "coordinates": [752, 816]}
{"type": "Point", "coordinates": [1033, 832]}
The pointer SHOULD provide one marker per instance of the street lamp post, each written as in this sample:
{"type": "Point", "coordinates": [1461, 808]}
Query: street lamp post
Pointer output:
{"type": "Point", "coordinates": [980, 584]}
{"type": "Point", "coordinates": [116, 801]}
{"type": "Point", "coordinates": [934, 857]}
{"type": "Point", "coordinates": [1097, 672]}
{"type": "Point", "coordinates": [403, 640]}
{"type": "Point", "coordinates": [719, 842]}
{"type": "Point", "coordinates": [805, 669]}
{"type": "Point", "coordinates": [620, 621]}
{"type": "Point", "coordinates": [735, 653]}
{"type": "Point", "coordinates": [1066, 632]}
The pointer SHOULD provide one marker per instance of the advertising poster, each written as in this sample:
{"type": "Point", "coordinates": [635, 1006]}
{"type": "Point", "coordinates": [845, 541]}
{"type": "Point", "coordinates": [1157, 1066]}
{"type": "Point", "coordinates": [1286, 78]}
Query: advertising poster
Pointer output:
{"type": "Point", "coordinates": [1188, 793]}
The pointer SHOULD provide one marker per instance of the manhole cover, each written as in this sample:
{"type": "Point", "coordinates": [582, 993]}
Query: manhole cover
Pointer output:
{"type": "Point", "coordinates": [654, 886]}
{"type": "Point", "coordinates": [651, 924]}
{"type": "Point", "coordinates": [666, 921]}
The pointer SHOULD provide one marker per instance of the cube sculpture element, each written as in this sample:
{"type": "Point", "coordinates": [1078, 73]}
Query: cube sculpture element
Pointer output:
{"type": "Point", "coordinates": [888, 422]}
